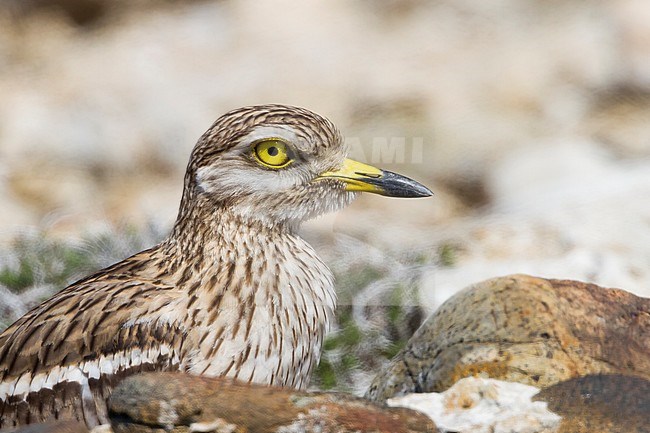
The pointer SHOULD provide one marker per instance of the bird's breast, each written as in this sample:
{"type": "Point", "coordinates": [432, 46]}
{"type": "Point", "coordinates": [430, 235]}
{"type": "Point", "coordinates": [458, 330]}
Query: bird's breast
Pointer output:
{"type": "Point", "coordinates": [264, 317]}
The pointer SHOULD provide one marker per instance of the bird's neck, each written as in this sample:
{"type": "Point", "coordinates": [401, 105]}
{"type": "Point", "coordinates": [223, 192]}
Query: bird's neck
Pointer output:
{"type": "Point", "coordinates": [247, 282]}
{"type": "Point", "coordinates": [202, 225]}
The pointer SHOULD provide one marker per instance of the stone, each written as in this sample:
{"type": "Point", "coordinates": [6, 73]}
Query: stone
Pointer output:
{"type": "Point", "coordinates": [610, 403]}
{"type": "Point", "coordinates": [523, 329]}
{"type": "Point", "coordinates": [165, 402]}
{"type": "Point", "coordinates": [54, 427]}
{"type": "Point", "coordinates": [484, 406]}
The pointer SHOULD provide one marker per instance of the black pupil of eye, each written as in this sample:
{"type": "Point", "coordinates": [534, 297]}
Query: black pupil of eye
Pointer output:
{"type": "Point", "coordinates": [272, 150]}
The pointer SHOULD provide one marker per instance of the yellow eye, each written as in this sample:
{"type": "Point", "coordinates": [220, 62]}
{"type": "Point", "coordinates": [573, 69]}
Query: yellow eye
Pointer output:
{"type": "Point", "coordinates": [272, 153]}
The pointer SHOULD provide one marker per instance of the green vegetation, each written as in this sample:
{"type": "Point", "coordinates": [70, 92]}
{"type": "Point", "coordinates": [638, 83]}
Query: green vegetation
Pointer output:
{"type": "Point", "coordinates": [377, 314]}
{"type": "Point", "coordinates": [447, 255]}
{"type": "Point", "coordinates": [37, 261]}
{"type": "Point", "coordinates": [18, 279]}
{"type": "Point", "coordinates": [36, 266]}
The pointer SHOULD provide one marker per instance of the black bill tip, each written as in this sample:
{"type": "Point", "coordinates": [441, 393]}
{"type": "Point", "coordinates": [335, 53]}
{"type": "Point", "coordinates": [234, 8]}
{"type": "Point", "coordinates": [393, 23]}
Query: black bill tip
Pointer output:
{"type": "Point", "coordinates": [395, 185]}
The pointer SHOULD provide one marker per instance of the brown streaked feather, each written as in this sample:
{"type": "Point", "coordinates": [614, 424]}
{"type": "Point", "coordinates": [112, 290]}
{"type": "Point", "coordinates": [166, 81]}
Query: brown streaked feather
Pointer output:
{"type": "Point", "coordinates": [78, 325]}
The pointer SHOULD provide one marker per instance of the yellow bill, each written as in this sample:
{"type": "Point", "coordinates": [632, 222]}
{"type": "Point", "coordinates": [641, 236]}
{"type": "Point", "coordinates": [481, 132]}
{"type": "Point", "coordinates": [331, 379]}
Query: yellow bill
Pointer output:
{"type": "Point", "coordinates": [363, 177]}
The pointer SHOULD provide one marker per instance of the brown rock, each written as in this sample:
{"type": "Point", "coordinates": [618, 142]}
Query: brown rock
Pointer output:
{"type": "Point", "coordinates": [158, 402]}
{"type": "Point", "coordinates": [600, 404]}
{"type": "Point", "coordinates": [52, 427]}
{"type": "Point", "coordinates": [523, 329]}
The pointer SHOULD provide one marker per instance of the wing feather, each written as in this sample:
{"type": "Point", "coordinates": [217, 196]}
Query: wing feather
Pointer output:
{"type": "Point", "coordinates": [83, 340]}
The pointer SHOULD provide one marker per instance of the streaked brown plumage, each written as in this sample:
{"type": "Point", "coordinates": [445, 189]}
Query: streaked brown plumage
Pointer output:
{"type": "Point", "coordinates": [232, 291]}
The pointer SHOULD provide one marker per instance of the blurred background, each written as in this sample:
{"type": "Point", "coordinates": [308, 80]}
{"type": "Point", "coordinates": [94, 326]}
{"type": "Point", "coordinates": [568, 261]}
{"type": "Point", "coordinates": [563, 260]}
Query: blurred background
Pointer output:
{"type": "Point", "coordinates": [528, 119]}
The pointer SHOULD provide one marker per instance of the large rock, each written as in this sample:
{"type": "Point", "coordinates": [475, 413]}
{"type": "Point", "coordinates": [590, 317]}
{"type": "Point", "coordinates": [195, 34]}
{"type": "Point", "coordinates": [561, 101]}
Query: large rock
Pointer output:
{"type": "Point", "coordinates": [53, 427]}
{"type": "Point", "coordinates": [600, 404]}
{"type": "Point", "coordinates": [160, 402]}
{"type": "Point", "coordinates": [523, 329]}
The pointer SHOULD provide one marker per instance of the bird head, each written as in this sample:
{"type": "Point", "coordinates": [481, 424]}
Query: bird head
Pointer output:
{"type": "Point", "coordinates": [282, 165]}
